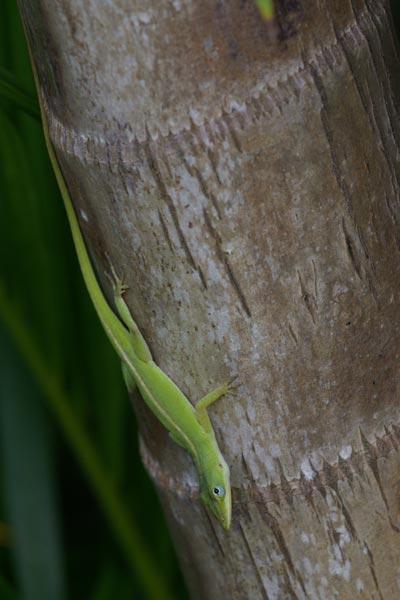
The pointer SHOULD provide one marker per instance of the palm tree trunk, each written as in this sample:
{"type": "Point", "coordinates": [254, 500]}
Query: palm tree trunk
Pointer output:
{"type": "Point", "coordinates": [245, 180]}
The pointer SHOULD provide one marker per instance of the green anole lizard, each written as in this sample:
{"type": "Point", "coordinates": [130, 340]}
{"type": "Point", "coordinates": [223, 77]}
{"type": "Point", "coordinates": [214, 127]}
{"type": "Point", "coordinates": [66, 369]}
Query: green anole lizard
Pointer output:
{"type": "Point", "coordinates": [189, 427]}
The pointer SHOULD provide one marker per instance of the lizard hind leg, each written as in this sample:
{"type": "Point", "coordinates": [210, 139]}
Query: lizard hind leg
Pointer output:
{"type": "Point", "coordinates": [139, 344]}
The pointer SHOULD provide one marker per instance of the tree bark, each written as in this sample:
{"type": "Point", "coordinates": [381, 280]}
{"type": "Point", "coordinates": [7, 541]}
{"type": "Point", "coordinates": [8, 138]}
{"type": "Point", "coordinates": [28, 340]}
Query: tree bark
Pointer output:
{"type": "Point", "coordinates": [247, 186]}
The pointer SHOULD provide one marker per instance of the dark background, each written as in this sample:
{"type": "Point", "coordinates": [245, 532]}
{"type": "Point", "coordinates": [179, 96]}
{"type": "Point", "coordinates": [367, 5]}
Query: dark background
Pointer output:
{"type": "Point", "coordinates": [78, 516]}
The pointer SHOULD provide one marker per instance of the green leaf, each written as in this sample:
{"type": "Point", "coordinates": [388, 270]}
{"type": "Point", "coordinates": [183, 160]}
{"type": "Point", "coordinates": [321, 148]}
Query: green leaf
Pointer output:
{"type": "Point", "coordinates": [111, 584]}
{"type": "Point", "coordinates": [125, 530]}
{"type": "Point", "coordinates": [12, 91]}
{"type": "Point", "coordinates": [30, 501]}
{"type": "Point", "coordinates": [6, 591]}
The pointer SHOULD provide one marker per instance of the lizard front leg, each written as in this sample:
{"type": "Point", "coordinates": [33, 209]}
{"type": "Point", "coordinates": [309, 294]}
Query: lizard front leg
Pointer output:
{"type": "Point", "coordinates": [201, 406]}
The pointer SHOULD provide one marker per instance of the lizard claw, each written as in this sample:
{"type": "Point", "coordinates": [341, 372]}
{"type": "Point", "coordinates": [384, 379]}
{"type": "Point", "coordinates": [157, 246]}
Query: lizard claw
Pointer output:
{"type": "Point", "coordinates": [117, 282]}
{"type": "Point", "coordinates": [232, 386]}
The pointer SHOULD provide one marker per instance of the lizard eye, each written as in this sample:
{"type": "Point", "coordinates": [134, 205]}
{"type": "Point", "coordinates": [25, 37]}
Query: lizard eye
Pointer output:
{"type": "Point", "coordinates": [219, 491]}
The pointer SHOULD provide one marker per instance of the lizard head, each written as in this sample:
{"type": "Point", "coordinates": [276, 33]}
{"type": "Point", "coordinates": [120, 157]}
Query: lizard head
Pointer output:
{"type": "Point", "coordinates": [215, 491]}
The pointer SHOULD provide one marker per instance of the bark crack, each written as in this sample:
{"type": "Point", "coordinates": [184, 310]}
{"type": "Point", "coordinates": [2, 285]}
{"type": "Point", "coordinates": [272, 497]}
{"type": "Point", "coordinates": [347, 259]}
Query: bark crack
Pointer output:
{"type": "Point", "coordinates": [254, 563]}
{"type": "Point", "coordinates": [273, 525]}
{"type": "Point", "coordinates": [372, 456]}
{"type": "Point", "coordinates": [373, 571]}
{"type": "Point", "coordinates": [195, 172]}
{"type": "Point", "coordinates": [225, 262]}
{"type": "Point", "coordinates": [352, 251]}
{"type": "Point", "coordinates": [156, 172]}
{"type": "Point", "coordinates": [373, 118]}
{"type": "Point", "coordinates": [308, 299]}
